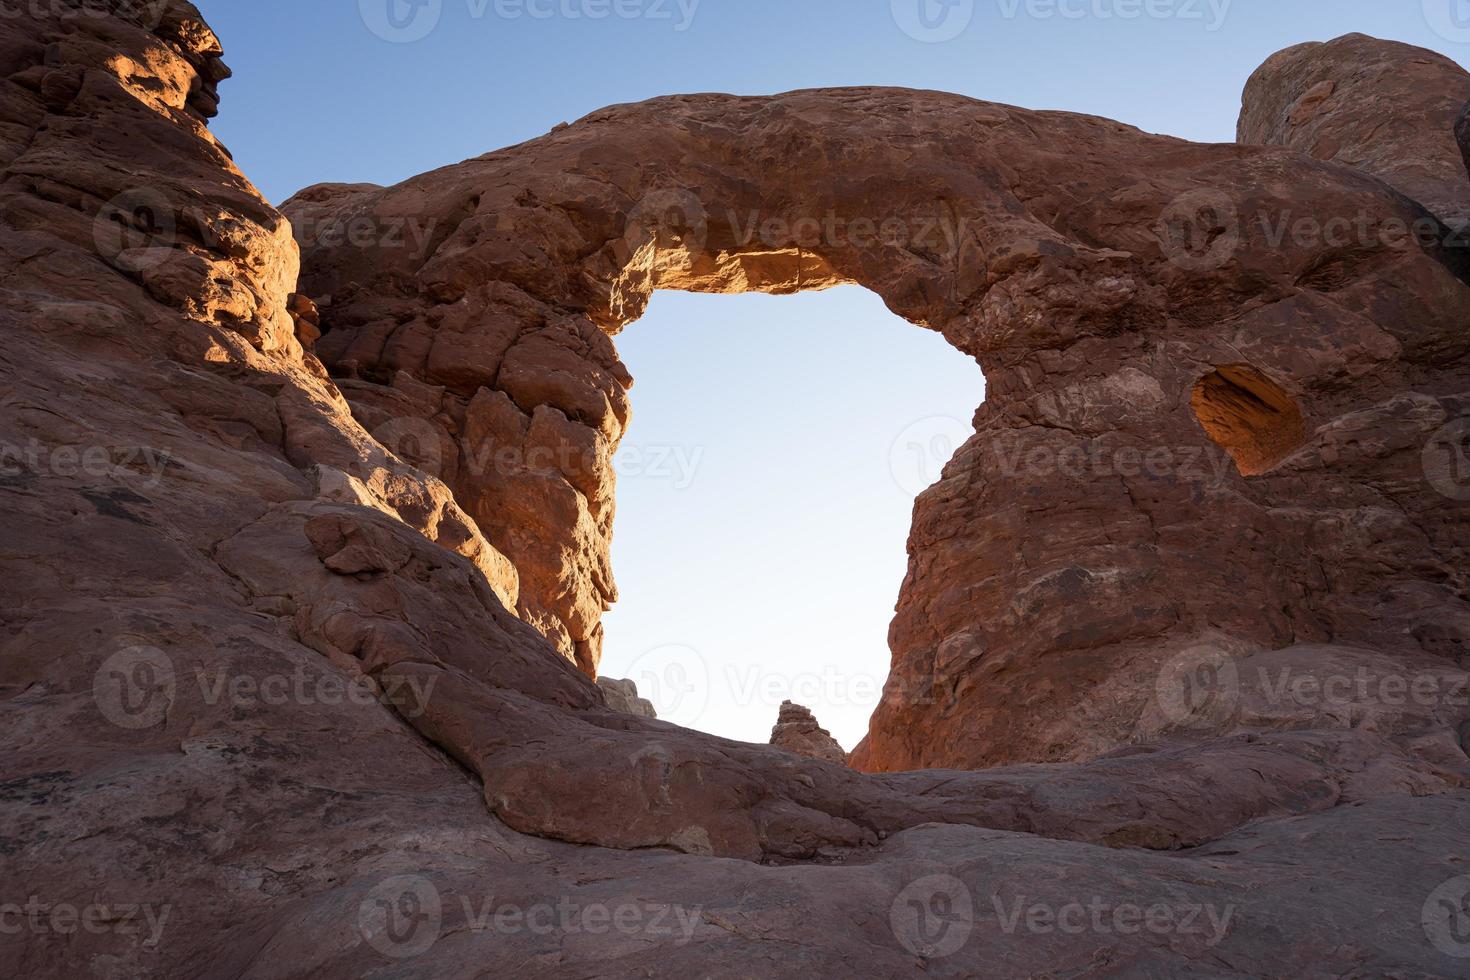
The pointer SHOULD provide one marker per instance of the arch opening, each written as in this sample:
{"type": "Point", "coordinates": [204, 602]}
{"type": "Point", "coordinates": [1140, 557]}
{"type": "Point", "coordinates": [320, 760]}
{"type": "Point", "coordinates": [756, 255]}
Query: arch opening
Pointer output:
{"type": "Point", "coordinates": [766, 487]}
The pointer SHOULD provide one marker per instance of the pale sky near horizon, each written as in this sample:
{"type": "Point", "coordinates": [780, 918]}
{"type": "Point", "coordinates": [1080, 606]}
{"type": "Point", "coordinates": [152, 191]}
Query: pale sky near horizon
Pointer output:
{"type": "Point", "coordinates": [777, 443]}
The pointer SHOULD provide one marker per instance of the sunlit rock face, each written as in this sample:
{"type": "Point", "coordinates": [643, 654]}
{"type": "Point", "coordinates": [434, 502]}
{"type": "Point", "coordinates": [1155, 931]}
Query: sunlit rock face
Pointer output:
{"type": "Point", "coordinates": [269, 711]}
{"type": "Point", "coordinates": [1206, 417]}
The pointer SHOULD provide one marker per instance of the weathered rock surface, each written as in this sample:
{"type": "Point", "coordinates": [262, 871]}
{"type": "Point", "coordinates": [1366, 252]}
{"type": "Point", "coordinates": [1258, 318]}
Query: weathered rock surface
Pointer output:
{"type": "Point", "coordinates": [1381, 107]}
{"type": "Point", "coordinates": [622, 695]}
{"type": "Point", "coordinates": [268, 711]}
{"type": "Point", "coordinates": [797, 731]}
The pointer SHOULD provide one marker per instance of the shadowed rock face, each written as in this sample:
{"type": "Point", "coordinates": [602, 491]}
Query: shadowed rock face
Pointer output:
{"type": "Point", "coordinates": [261, 677]}
{"type": "Point", "coordinates": [623, 696]}
{"type": "Point", "coordinates": [1122, 500]}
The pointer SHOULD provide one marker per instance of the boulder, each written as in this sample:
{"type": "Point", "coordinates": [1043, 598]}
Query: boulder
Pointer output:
{"type": "Point", "coordinates": [797, 731]}
{"type": "Point", "coordinates": [623, 696]}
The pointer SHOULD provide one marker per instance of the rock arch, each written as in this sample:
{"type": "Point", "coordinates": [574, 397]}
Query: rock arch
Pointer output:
{"type": "Point", "coordinates": [1064, 551]}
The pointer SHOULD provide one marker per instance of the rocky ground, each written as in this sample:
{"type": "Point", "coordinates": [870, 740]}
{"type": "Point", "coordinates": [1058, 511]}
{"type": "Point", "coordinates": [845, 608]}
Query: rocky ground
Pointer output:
{"type": "Point", "coordinates": [308, 533]}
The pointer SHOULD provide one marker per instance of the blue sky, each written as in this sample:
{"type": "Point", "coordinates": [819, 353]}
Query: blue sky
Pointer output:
{"type": "Point", "coordinates": [777, 443]}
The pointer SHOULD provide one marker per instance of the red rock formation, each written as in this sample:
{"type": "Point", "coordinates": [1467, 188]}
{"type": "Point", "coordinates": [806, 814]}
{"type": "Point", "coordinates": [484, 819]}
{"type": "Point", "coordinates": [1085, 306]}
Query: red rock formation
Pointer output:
{"type": "Point", "coordinates": [797, 731]}
{"type": "Point", "coordinates": [268, 712]}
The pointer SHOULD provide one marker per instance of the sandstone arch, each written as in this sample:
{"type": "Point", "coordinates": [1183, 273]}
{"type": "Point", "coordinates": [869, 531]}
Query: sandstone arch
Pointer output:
{"type": "Point", "coordinates": [1059, 272]}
